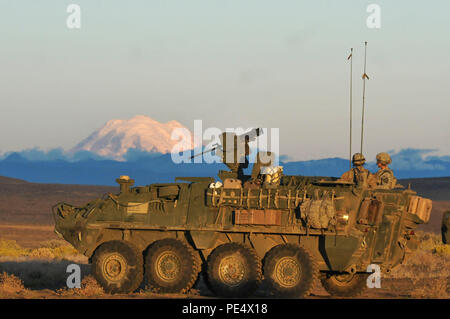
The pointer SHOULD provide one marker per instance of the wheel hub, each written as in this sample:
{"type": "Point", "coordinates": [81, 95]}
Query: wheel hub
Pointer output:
{"type": "Point", "coordinates": [287, 271]}
{"type": "Point", "coordinates": [114, 267]}
{"type": "Point", "coordinates": [168, 266]}
{"type": "Point", "coordinates": [232, 270]}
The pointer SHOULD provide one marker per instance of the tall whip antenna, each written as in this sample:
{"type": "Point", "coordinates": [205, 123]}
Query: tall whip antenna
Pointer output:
{"type": "Point", "coordinates": [364, 77]}
{"type": "Point", "coordinates": [350, 57]}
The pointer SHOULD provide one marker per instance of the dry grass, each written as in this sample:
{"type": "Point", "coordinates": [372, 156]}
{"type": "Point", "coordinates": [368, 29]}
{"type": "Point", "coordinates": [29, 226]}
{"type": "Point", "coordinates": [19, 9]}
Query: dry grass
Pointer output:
{"type": "Point", "coordinates": [427, 269]}
{"type": "Point", "coordinates": [43, 267]}
{"type": "Point", "coordinates": [442, 250]}
{"type": "Point", "coordinates": [10, 248]}
{"type": "Point", "coordinates": [42, 273]}
{"type": "Point", "coordinates": [10, 286]}
{"type": "Point", "coordinates": [431, 260]}
{"type": "Point", "coordinates": [52, 249]}
{"type": "Point", "coordinates": [89, 288]}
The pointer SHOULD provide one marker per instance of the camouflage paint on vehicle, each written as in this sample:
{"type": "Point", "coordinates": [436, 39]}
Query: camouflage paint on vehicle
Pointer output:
{"type": "Point", "coordinates": [289, 234]}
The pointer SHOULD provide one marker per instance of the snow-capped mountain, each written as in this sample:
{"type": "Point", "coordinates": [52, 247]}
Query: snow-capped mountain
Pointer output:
{"type": "Point", "coordinates": [140, 132]}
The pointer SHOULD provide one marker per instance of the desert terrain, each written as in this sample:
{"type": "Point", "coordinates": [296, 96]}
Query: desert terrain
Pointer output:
{"type": "Point", "coordinates": [33, 260]}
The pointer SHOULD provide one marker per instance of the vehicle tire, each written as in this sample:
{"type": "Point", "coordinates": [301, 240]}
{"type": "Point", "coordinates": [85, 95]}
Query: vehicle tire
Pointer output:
{"type": "Point", "coordinates": [171, 266]}
{"type": "Point", "coordinates": [290, 271]}
{"type": "Point", "coordinates": [118, 267]}
{"type": "Point", "coordinates": [233, 271]}
{"type": "Point", "coordinates": [344, 284]}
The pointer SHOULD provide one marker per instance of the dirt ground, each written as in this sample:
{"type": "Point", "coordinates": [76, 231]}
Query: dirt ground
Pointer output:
{"type": "Point", "coordinates": [51, 284]}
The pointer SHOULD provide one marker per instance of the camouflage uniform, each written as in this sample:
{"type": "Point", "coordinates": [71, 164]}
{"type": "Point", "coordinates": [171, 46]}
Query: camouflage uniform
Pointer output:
{"type": "Point", "coordinates": [385, 177]}
{"type": "Point", "coordinates": [358, 174]}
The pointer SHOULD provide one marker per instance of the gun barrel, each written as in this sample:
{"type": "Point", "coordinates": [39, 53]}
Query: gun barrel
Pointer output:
{"type": "Point", "coordinates": [204, 152]}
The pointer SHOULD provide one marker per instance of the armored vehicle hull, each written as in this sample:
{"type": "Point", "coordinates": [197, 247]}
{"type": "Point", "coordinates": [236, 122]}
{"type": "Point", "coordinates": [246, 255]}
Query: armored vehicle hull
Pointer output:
{"type": "Point", "coordinates": [304, 229]}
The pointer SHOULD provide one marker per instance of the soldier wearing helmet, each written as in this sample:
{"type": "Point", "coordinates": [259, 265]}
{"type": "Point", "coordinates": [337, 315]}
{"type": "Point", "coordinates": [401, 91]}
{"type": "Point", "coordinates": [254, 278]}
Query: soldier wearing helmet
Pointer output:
{"type": "Point", "coordinates": [384, 177]}
{"type": "Point", "coordinates": [358, 174]}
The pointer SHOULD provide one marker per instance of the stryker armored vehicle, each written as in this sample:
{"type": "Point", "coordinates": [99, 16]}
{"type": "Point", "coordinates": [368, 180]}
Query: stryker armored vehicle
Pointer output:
{"type": "Point", "coordinates": [287, 231]}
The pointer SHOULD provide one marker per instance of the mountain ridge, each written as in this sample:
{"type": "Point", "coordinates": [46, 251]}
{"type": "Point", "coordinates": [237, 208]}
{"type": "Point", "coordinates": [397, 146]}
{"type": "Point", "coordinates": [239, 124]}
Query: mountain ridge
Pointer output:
{"type": "Point", "coordinates": [117, 136]}
{"type": "Point", "coordinates": [148, 168]}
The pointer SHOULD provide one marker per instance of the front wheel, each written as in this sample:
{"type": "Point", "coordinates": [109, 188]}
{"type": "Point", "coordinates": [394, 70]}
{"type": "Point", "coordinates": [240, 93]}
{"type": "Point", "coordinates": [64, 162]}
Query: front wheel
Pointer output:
{"type": "Point", "coordinates": [118, 267]}
{"type": "Point", "coordinates": [344, 284]}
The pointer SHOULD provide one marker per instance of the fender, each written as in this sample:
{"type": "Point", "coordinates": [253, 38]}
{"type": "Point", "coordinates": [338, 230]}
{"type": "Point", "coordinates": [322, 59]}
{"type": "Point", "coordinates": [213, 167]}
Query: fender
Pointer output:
{"type": "Point", "coordinates": [204, 239]}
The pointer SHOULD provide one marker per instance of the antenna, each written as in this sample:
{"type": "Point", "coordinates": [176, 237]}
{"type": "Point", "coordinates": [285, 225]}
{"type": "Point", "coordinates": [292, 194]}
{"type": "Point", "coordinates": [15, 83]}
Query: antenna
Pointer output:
{"type": "Point", "coordinates": [350, 57]}
{"type": "Point", "coordinates": [364, 77]}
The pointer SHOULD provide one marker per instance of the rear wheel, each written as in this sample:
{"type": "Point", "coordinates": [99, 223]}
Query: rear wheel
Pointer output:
{"type": "Point", "coordinates": [289, 271]}
{"type": "Point", "coordinates": [117, 266]}
{"type": "Point", "coordinates": [171, 266]}
{"type": "Point", "coordinates": [233, 271]}
{"type": "Point", "coordinates": [344, 284]}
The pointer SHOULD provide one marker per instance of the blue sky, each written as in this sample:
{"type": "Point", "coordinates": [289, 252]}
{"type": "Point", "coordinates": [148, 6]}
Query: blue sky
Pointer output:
{"type": "Point", "coordinates": [230, 63]}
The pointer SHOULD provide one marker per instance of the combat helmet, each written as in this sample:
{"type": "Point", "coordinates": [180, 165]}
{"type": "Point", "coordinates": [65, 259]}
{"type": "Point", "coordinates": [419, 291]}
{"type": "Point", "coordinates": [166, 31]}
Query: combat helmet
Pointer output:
{"type": "Point", "coordinates": [384, 158]}
{"type": "Point", "coordinates": [358, 159]}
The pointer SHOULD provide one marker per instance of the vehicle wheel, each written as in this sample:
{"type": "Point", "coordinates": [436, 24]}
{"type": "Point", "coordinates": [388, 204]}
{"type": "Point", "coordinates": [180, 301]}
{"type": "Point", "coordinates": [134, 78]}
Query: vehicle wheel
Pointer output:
{"type": "Point", "coordinates": [344, 284]}
{"type": "Point", "coordinates": [290, 271]}
{"type": "Point", "coordinates": [171, 266]}
{"type": "Point", "coordinates": [117, 266]}
{"type": "Point", "coordinates": [233, 271]}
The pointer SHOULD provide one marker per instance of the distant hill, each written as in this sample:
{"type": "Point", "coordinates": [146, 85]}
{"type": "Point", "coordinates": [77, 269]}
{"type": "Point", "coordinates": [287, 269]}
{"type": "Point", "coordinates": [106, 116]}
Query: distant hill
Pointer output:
{"type": "Point", "coordinates": [30, 203]}
{"type": "Point", "coordinates": [437, 189]}
{"type": "Point", "coordinates": [434, 188]}
{"type": "Point", "coordinates": [9, 180]}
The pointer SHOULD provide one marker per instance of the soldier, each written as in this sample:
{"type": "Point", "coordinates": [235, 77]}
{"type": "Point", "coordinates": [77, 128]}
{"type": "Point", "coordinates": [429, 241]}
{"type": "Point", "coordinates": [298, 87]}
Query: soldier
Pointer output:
{"type": "Point", "coordinates": [384, 177]}
{"type": "Point", "coordinates": [445, 228]}
{"type": "Point", "coordinates": [358, 174]}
